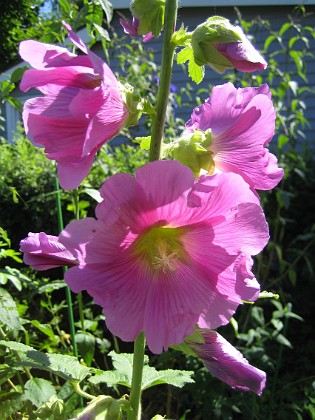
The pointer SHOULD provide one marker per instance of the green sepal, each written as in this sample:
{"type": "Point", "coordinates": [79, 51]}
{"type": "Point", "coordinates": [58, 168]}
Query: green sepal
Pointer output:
{"type": "Point", "coordinates": [181, 37]}
{"type": "Point", "coordinates": [193, 151]}
{"type": "Point", "coordinates": [133, 103]}
{"type": "Point", "coordinates": [196, 337]}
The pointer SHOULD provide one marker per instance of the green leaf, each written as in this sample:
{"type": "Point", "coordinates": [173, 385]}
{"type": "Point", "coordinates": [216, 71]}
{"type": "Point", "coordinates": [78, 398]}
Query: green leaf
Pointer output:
{"type": "Point", "coordinates": [45, 329]}
{"type": "Point", "coordinates": [184, 55]}
{"type": "Point", "coordinates": [268, 41]}
{"type": "Point", "coordinates": [51, 286]}
{"type": "Point", "coordinates": [9, 315]}
{"type": "Point", "coordinates": [11, 406]}
{"type": "Point", "coordinates": [86, 346]}
{"type": "Point", "coordinates": [284, 28]}
{"type": "Point", "coordinates": [144, 142]}
{"type": "Point", "coordinates": [16, 76]}
{"type": "Point", "coordinates": [103, 33]}
{"type": "Point", "coordinates": [268, 295]}
{"type": "Point", "coordinates": [195, 72]}
{"type": "Point", "coordinates": [107, 8]}
{"type": "Point", "coordinates": [111, 378]}
{"type": "Point", "coordinates": [67, 367]}
{"type": "Point", "coordinates": [38, 391]}
{"type": "Point", "coordinates": [65, 5]}
{"type": "Point", "coordinates": [283, 340]}
{"type": "Point", "coordinates": [123, 374]}
{"type": "Point", "coordinates": [152, 377]}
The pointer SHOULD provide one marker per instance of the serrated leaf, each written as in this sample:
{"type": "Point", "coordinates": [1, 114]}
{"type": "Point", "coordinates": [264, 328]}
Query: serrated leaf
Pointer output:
{"type": "Point", "coordinates": [184, 55]}
{"type": "Point", "coordinates": [196, 72]}
{"type": "Point", "coordinates": [111, 378]}
{"type": "Point", "coordinates": [9, 315]}
{"type": "Point", "coordinates": [67, 367]}
{"type": "Point", "coordinates": [38, 391]}
{"type": "Point", "coordinates": [12, 406]}
{"type": "Point", "coordinates": [152, 377]}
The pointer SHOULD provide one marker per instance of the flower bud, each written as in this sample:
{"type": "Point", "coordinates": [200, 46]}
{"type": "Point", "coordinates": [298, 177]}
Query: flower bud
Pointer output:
{"type": "Point", "coordinates": [101, 408]}
{"type": "Point", "coordinates": [223, 46]}
{"type": "Point", "coordinates": [150, 14]}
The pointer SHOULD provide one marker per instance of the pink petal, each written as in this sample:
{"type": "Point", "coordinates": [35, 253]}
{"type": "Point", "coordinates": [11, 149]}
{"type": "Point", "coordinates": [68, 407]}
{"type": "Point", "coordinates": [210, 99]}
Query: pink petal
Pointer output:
{"type": "Point", "coordinates": [43, 251]}
{"type": "Point", "coordinates": [72, 172]}
{"type": "Point", "coordinates": [43, 56]}
{"type": "Point", "coordinates": [226, 363]}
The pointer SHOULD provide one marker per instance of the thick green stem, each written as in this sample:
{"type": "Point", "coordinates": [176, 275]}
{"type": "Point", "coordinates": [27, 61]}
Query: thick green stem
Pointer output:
{"type": "Point", "coordinates": [158, 119]}
{"type": "Point", "coordinates": [68, 292]}
{"type": "Point", "coordinates": [137, 369]}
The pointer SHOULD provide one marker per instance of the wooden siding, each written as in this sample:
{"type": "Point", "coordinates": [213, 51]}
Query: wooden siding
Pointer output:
{"type": "Point", "coordinates": [191, 17]}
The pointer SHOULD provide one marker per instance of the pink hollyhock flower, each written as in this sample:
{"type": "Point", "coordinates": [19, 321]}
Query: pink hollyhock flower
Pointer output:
{"type": "Point", "coordinates": [131, 28]}
{"type": "Point", "coordinates": [166, 252]}
{"type": "Point", "coordinates": [241, 124]}
{"type": "Point", "coordinates": [81, 109]}
{"type": "Point", "coordinates": [226, 363]}
{"type": "Point", "coordinates": [43, 251]}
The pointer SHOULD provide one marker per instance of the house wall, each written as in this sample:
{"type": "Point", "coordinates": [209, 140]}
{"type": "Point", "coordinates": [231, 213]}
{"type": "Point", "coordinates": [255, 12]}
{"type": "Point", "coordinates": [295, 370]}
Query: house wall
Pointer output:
{"type": "Point", "coordinates": [193, 16]}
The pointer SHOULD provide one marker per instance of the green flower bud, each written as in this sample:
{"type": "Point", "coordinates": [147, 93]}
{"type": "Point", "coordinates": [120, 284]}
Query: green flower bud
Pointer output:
{"type": "Point", "coordinates": [216, 30]}
{"type": "Point", "coordinates": [102, 408]}
{"type": "Point", "coordinates": [150, 14]}
{"type": "Point", "coordinates": [192, 151]}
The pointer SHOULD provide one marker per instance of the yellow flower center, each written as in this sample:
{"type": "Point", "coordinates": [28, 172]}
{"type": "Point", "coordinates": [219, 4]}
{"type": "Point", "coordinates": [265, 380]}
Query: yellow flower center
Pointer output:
{"type": "Point", "coordinates": [162, 248]}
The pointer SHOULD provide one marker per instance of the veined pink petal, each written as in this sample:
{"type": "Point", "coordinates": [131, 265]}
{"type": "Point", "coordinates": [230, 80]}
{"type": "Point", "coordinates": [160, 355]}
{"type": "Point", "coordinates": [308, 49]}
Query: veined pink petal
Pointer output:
{"type": "Point", "coordinates": [44, 56]}
{"type": "Point", "coordinates": [235, 116]}
{"type": "Point", "coordinates": [43, 251]}
{"type": "Point", "coordinates": [226, 363]}
{"type": "Point", "coordinates": [82, 107]}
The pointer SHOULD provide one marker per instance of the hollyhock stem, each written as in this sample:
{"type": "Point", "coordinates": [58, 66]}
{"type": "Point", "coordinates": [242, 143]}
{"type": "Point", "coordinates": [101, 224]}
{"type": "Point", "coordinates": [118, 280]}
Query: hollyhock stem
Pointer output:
{"type": "Point", "coordinates": [158, 119]}
{"type": "Point", "coordinates": [137, 369]}
{"type": "Point", "coordinates": [68, 292]}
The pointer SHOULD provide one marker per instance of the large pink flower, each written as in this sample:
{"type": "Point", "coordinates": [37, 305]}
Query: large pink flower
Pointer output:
{"type": "Point", "coordinates": [81, 109]}
{"type": "Point", "coordinates": [166, 252]}
{"type": "Point", "coordinates": [242, 123]}
{"type": "Point", "coordinates": [226, 363]}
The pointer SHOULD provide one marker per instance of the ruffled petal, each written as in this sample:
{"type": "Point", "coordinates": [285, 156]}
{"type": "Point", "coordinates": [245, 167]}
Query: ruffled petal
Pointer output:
{"type": "Point", "coordinates": [43, 252]}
